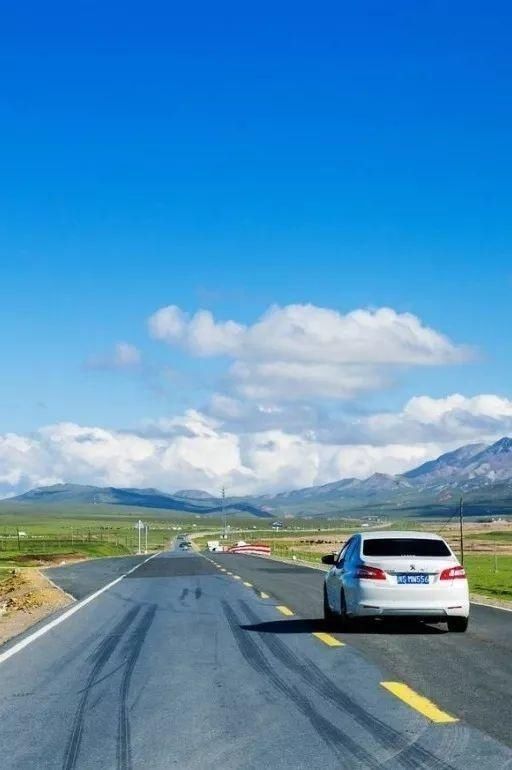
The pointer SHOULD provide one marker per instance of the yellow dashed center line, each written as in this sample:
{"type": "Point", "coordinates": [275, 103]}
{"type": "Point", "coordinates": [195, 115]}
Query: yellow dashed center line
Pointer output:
{"type": "Point", "coordinates": [249, 585]}
{"type": "Point", "coordinates": [222, 569]}
{"type": "Point", "coordinates": [327, 639]}
{"type": "Point", "coordinates": [237, 577]}
{"type": "Point", "coordinates": [230, 573]}
{"type": "Point", "coordinates": [418, 702]}
{"type": "Point", "coordinates": [264, 595]}
{"type": "Point", "coordinates": [284, 610]}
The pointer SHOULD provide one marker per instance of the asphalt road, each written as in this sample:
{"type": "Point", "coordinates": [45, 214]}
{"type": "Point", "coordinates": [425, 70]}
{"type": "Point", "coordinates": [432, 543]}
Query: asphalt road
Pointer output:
{"type": "Point", "coordinates": [470, 675]}
{"type": "Point", "coordinates": [182, 665]}
{"type": "Point", "coordinates": [85, 577]}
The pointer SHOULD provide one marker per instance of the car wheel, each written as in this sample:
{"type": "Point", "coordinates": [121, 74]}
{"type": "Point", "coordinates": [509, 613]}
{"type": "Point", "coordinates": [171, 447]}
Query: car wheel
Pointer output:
{"type": "Point", "coordinates": [458, 625]}
{"type": "Point", "coordinates": [327, 609]}
{"type": "Point", "coordinates": [344, 622]}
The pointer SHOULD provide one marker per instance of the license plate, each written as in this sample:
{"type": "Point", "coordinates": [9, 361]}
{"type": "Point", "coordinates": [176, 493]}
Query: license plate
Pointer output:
{"type": "Point", "coordinates": [401, 579]}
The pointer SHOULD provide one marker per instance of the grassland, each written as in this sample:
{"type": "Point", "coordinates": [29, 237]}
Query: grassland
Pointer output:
{"type": "Point", "coordinates": [42, 538]}
{"type": "Point", "coordinates": [493, 537]}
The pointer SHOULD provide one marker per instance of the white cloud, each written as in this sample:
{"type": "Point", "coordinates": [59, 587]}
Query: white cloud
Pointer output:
{"type": "Point", "coordinates": [301, 351]}
{"type": "Point", "coordinates": [449, 421]}
{"type": "Point", "coordinates": [124, 356]}
{"type": "Point", "coordinates": [201, 334]}
{"type": "Point", "coordinates": [297, 380]}
{"type": "Point", "coordinates": [240, 445]}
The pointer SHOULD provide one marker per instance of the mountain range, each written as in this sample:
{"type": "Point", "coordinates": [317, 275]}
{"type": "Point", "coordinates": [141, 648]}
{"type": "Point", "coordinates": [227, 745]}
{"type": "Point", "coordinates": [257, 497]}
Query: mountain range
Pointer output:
{"type": "Point", "coordinates": [481, 473]}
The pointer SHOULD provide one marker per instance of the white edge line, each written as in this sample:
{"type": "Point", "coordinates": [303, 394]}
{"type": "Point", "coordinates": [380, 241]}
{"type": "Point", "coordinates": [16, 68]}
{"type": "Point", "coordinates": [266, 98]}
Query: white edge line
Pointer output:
{"type": "Point", "coordinates": [65, 615]}
{"type": "Point", "coordinates": [492, 606]}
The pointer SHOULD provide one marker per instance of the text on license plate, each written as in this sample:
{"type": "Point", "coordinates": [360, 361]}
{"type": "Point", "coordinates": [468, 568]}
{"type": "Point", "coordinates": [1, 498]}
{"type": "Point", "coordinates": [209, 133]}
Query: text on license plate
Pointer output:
{"type": "Point", "coordinates": [412, 579]}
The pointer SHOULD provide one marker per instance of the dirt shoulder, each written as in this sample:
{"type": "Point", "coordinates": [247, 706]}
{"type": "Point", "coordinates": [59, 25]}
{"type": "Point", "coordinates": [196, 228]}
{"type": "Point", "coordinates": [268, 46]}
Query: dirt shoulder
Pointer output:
{"type": "Point", "coordinates": [26, 597]}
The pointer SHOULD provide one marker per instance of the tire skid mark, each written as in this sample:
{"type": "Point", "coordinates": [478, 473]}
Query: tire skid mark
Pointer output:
{"type": "Point", "coordinates": [135, 642]}
{"type": "Point", "coordinates": [339, 741]}
{"type": "Point", "coordinates": [101, 658]}
{"type": "Point", "coordinates": [184, 594]}
{"type": "Point", "coordinates": [409, 754]}
{"type": "Point", "coordinates": [198, 592]}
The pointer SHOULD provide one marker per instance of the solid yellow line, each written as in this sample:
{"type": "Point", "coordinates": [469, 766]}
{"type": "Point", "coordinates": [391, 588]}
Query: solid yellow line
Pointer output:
{"type": "Point", "coordinates": [249, 585]}
{"type": "Point", "coordinates": [327, 639]}
{"type": "Point", "coordinates": [418, 702]}
{"type": "Point", "coordinates": [264, 595]}
{"type": "Point", "coordinates": [284, 610]}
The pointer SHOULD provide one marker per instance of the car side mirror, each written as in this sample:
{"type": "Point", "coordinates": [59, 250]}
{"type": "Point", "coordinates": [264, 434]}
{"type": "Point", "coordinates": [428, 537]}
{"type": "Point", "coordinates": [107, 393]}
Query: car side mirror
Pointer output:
{"type": "Point", "coordinates": [328, 559]}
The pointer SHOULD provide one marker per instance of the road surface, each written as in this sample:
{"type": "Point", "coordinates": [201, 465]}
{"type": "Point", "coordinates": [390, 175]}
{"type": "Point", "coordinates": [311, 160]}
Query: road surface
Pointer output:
{"type": "Point", "coordinates": [182, 665]}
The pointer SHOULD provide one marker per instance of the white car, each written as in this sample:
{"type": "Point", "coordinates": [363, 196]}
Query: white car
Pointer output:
{"type": "Point", "coordinates": [396, 574]}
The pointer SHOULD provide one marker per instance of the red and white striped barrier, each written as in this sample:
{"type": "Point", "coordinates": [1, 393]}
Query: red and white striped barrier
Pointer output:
{"type": "Point", "coordinates": [254, 550]}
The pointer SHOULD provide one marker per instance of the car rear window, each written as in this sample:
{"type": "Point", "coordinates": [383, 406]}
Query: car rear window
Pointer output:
{"type": "Point", "coordinates": [405, 546]}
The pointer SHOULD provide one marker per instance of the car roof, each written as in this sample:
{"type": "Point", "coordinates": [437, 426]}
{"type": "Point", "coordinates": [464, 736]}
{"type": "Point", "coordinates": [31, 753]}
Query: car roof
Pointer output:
{"type": "Point", "coordinates": [396, 534]}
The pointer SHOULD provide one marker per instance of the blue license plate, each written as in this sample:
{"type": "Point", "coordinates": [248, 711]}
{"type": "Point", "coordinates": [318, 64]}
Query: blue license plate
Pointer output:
{"type": "Point", "coordinates": [408, 579]}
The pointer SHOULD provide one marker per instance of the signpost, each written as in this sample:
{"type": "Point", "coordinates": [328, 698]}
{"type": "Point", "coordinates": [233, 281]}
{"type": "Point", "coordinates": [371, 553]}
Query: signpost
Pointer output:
{"type": "Point", "coordinates": [140, 527]}
{"type": "Point", "coordinates": [461, 527]}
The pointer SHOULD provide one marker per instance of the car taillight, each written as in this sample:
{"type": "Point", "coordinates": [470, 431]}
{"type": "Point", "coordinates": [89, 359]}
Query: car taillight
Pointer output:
{"type": "Point", "coordinates": [364, 572]}
{"type": "Point", "coordinates": [451, 573]}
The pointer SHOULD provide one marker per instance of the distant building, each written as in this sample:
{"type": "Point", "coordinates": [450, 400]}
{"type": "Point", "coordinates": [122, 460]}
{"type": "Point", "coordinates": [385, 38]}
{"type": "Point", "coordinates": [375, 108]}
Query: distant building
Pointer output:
{"type": "Point", "coordinates": [277, 525]}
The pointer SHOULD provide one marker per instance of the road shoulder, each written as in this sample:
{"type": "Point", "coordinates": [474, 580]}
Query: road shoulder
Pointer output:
{"type": "Point", "coordinates": [26, 598]}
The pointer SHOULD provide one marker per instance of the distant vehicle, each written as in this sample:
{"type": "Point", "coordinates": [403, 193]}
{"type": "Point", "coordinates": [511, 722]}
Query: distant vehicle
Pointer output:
{"type": "Point", "coordinates": [184, 547]}
{"type": "Point", "coordinates": [396, 574]}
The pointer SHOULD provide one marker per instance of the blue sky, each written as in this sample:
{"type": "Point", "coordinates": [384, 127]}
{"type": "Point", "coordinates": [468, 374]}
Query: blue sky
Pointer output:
{"type": "Point", "coordinates": [232, 158]}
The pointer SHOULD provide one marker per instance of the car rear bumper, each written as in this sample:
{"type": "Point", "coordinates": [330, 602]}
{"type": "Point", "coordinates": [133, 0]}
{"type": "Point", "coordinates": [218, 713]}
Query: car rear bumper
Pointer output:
{"type": "Point", "coordinates": [417, 610]}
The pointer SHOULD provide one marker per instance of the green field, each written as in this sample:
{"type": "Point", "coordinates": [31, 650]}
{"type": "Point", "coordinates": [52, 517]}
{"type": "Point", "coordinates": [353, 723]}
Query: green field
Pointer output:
{"type": "Point", "coordinates": [36, 539]}
{"type": "Point", "coordinates": [493, 537]}
{"type": "Point", "coordinates": [483, 579]}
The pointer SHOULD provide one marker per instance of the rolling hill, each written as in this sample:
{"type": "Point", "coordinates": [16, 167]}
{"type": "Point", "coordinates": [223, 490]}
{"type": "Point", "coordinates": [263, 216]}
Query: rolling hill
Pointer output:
{"type": "Point", "coordinates": [483, 474]}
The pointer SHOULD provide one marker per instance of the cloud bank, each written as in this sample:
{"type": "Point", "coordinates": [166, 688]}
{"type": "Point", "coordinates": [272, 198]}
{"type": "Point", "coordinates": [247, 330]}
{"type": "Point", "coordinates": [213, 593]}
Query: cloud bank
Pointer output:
{"type": "Point", "coordinates": [199, 450]}
{"type": "Point", "coordinates": [281, 418]}
{"type": "Point", "coordinates": [298, 352]}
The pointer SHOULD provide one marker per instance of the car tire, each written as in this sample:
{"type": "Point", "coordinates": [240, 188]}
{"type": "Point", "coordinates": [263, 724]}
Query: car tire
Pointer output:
{"type": "Point", "coordinates": [457, 624]}
{"type": "Point", "coordinates": [345, 623]}
{"type": "Point", "coordinates": [327, 610]}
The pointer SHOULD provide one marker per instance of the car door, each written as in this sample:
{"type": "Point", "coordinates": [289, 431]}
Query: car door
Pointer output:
{"type": "Point", "coordinates": [351, 560]}
{"type": "Point", "coordinates": [334, 577]}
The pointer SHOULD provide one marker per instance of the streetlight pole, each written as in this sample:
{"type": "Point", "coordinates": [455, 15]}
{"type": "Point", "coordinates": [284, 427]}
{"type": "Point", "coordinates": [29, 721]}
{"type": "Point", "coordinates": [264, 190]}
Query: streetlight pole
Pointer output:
{"type": "Point", "coordinates": [224, 519]}
{"type": "Point", "coordinates": [461, 528]}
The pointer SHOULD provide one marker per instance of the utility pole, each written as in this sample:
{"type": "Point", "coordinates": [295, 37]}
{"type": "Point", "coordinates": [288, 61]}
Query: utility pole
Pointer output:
{"type": "Point", "coordinates": [224, 519]}
{"type": "Point", "coordinates": [461, 527]}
